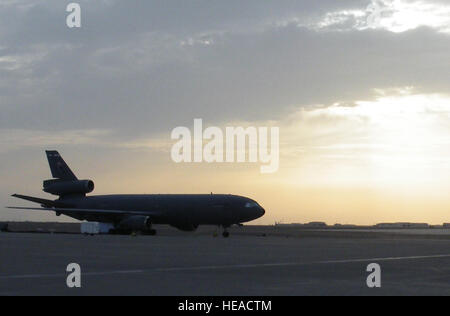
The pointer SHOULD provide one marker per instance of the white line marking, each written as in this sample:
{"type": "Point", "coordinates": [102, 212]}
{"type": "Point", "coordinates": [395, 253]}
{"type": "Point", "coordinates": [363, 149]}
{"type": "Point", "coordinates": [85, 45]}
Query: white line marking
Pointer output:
{"type": "Point", "coordinates": [57, 275]}
{"type": "Point", "coordinates": [285, 264]}
{"type": "Point", "coordinates": [219, 267]}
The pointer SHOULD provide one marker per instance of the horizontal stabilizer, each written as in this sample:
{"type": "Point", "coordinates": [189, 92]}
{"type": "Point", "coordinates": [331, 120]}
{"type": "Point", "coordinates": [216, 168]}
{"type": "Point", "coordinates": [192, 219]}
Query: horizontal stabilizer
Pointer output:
{"type": "Point", "coordinates": [43, 202]}
{"type": "Point", "coordinates": [87, 211]}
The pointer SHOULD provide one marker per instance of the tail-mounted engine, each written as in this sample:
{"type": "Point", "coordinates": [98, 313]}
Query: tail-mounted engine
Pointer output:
{"type": "Point", "coordinates": [68, 187]}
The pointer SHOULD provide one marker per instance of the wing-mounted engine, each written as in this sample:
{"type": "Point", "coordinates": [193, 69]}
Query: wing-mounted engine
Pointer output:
{"type": "Point", "coordinates": [136, 223]}
{"type": "Point", "coordinates": [187, 227]}
{"type": "Point", "coordinates": [68, 187]}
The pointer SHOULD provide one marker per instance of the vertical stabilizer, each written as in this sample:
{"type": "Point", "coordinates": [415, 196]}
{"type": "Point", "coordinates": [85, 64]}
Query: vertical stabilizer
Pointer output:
{"type": "Point", "coordinates": [58, 167]}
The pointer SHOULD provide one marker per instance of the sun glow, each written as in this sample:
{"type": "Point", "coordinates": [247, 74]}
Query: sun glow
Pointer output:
{"type": "Point", "coordinates": [400, 139]}
{"type": "Point", "coordinates": [401, 15]}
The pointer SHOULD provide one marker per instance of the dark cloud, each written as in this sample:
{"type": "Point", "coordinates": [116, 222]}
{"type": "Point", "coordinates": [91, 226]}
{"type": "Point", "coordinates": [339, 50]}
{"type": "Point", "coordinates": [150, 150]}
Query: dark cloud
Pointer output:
{"type": "Point", "coordinates": [142, 67]}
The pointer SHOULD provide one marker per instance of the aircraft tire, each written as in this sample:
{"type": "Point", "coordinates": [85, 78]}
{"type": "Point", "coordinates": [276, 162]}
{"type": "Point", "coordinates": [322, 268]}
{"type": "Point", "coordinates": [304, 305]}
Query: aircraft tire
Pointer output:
{"type": "Point", "coordinates": [150, 232]}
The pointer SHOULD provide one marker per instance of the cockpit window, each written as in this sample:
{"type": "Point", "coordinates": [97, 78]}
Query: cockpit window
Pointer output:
{"type": "Point", "coordinates": [251, 204]}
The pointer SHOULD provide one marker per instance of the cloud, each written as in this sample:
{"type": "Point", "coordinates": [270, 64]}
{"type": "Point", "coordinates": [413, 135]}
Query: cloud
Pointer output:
{"type": "Point", "coordinates": [151, 80]}
{"type": "Point", "coordinates": [396, 137]}
{"type": "Point", "coordinates": [11, 139]}
{"type": "Point", "coordinates": [391, 15]}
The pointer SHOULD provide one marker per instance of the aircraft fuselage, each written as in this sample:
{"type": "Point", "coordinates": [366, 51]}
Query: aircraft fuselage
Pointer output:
{"type": "Point", "coordinates": [174, 209]}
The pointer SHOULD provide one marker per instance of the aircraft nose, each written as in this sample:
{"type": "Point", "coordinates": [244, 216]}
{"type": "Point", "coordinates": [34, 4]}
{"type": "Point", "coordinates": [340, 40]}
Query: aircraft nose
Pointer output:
{"type": "Point", "coordinates": [261, 212]}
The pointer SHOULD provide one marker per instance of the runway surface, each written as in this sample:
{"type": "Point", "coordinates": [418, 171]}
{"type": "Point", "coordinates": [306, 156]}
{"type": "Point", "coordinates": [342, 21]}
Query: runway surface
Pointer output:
{"type": "Point", "coordinates": [244, 264]}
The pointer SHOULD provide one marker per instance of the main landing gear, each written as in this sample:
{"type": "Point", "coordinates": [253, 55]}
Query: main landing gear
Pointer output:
{"type": "Point", "coordinates": [225, 232]}
{"type": "Point", "coordinates": [150, 232]}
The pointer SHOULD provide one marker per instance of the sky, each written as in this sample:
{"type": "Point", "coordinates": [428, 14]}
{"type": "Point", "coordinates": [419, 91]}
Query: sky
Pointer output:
{"type": "Point", "coordinates": [360, 91]}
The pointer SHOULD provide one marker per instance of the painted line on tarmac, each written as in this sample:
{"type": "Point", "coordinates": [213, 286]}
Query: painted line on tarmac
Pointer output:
{"type": "Point", "coordinates": [223, 267]}
{"type": "Point", "coordinates": [286, 264]}
{"type": "Point", "coordinates": [58, 275]}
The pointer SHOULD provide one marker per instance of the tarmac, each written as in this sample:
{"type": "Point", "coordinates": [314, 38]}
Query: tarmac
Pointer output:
{"type": "Point", "coordinates": [251, 262]}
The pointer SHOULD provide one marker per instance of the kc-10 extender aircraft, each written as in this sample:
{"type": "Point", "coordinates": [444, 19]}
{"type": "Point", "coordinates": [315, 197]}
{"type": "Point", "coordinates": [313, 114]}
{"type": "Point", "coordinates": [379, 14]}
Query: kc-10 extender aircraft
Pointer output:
{"type": "Point", "coordinates": [131, 213]}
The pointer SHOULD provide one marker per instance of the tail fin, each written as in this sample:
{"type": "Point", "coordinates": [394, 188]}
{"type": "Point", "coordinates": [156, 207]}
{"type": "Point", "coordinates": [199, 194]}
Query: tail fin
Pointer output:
{"type": "Point", "coordinates": [58, 167]}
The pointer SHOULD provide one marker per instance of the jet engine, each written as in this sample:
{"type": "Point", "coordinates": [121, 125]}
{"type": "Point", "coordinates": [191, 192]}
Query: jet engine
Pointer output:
{"type": "Point", "coordinates": [67, 187]}
{"type": "Point", "coordinates": [137, 222]}
{"type": "Point", "coordinates": [188, 227]}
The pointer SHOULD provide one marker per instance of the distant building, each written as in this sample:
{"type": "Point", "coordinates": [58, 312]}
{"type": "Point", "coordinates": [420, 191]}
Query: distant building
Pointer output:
{"type": "Point", "coordinates": [316, 224]}
{"type": "Point", "coordinates": [289, 225]}
{"type": "Point", "coordinates": [307, 225]}
{"type": "Point", "coordinates": [3, 227]}
{"type": "Point", "coordinates": [402, 225]}
{"type": "Point", "coordinates": [419, 225]}
{"type": "Point", "coordinates": [345, 226]}
{"type": "Point", "coordinates": [389, 225]}
{"type": "Point", "coordinates": [446, 225]}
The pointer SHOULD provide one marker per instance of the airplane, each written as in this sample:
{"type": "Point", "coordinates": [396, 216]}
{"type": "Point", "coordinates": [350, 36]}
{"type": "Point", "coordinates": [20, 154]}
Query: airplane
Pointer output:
{"type": "Point", "coordinates": [130, 213]}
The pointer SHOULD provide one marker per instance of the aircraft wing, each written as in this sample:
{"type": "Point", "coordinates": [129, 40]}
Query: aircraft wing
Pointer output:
{"type": "Point", "coordinates": [88, 211]}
